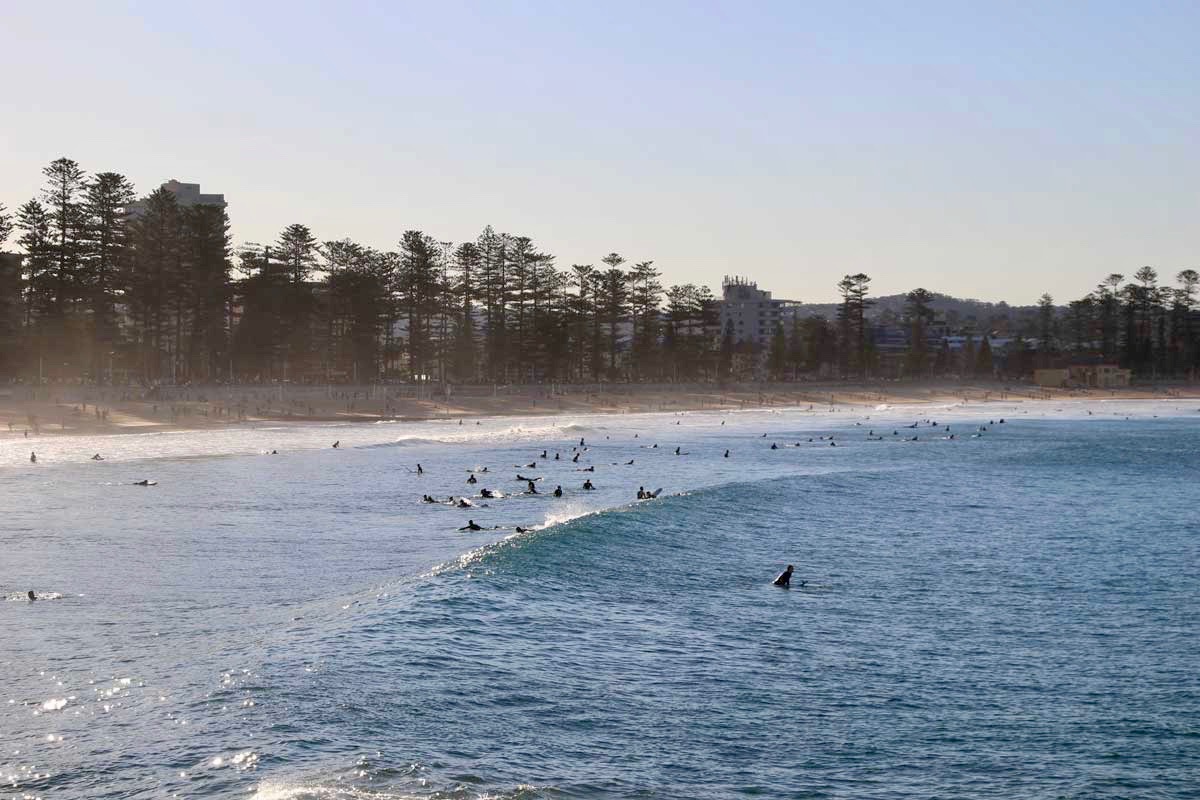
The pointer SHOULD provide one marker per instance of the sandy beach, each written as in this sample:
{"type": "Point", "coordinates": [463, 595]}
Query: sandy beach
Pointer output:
{"type": "Point", "coordinates": [82, 410]}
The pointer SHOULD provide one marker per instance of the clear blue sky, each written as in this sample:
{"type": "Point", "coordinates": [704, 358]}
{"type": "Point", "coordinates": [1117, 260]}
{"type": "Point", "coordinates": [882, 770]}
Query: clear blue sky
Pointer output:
{"type": "Point", "coordinates": [992, 150]}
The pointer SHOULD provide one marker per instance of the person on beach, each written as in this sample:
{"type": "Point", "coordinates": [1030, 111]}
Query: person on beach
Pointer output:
{"type": "Point", "coordinates": [470, 526]}
{"type": "Point", "coordinates": [785, 578]}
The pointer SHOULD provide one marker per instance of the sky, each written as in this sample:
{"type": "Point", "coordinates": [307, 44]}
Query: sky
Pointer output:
{"type": "Point", "coordinates": [986, 150]}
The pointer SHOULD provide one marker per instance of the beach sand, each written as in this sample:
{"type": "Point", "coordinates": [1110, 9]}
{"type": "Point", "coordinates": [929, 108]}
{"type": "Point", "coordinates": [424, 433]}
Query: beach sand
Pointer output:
{"type": "Point", "coordinates": [73, 410]}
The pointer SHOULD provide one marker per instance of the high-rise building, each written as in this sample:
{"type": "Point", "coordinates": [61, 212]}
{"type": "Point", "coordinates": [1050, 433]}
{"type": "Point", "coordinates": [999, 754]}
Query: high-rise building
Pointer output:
{"type": "Point", "coordinates": [186, 195]}
{"type": "Point", "coordinates": [753, 312]}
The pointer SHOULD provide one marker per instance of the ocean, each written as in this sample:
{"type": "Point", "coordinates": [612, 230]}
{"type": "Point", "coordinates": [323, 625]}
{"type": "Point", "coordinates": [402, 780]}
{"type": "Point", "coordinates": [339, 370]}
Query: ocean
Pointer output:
{"type": "Point", "coordinates": [1011, 612]}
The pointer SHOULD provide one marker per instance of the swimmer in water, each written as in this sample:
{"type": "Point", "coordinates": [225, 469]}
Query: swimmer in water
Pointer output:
{"type": "Point", "coordinates": [726, 452]}
{"type": "Point", "coordinates": [785, 578]}
{"type": "Point", "coordinates": [33, 458]}
{"type": "Point", "coordinates": [472, 480]}
{"type": "Point", "coordinates": [588, 485]}
{"type": "Point", "coordinates": [31, 596]}
{"type": "Point", "coordinates": [97, 457]}
{"type": "Point", "coordinates": [776, 447]}
{"type": "Point", "coordinates": [470, 526]}
{"type": "Point", "coordinates": [558, 491]}
{"type": "Point", "coordinates": [575, 460]}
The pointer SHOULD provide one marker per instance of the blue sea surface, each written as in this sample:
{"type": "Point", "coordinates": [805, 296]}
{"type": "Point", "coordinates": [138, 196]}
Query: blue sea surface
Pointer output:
{"type": "Point", "coordinates": [1014, 612]}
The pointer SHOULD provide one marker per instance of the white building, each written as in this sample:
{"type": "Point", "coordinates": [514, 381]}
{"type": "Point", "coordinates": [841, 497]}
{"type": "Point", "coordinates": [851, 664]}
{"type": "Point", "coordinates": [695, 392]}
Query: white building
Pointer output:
{"type": "Point", "coordinates": [753, 312]}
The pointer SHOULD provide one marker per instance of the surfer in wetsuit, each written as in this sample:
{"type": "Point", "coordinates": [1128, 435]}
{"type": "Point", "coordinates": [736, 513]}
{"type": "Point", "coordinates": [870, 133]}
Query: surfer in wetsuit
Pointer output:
{"type": "Point", "coordinates": [488, 493]}
{"type": "Point", "coordinates": [419, 470]}
{"type": "Point", "coordinates": [470, 526]}
{"type": "Point", "coordinates": [33, 458]}
{"type": "Point", "coordinates": [588, 485]}
{"type": "Point", "coordinates": [31, 596]}
{"type": "Point", "coordinates": [641, 493]}
{"type": "Point", "coordinates": [97, 457]}
{"type": "Point", "coordinates": [471, 480]}
{"type": "Point", "coordinates": [532, 489]}
{"type": "Point", "coordinates": [558, 491]}
{"type": "Point", "coordinates": [726, 452]}
{"type": "Point", "coordinates": [337, 444]}
{"type": "Point", "coordinates": [785, 578]}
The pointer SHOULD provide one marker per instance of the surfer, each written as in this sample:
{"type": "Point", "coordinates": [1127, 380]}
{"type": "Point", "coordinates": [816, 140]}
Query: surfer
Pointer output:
{"type": "Point", "coordinates": [629, 463]}
{"type": "Point", "coordinates": [145, 482]}
{"type": "Point", "coordinates": [487, 493]}
{"type": "Point", "coordinates": [97, 457]}
{"type": "Point", "coordinates": [31, 596]}
{"type": "Point", "coordinates": [532, 489]}
{"type": "Point", "coordinates": [575, 460]}
{"type": "Point", "coordinates": [519, 529]}
{"type": "Point", "coordinates": [776, 447]}
{"type": "Point", "coordinates": [33, 458]}
{"type": "Point", "coordinates": [641, 493]}
{"type": "Point", "coordinates": [558, 491]}
{"type": "Point", "coordinates": [470, 526]}
{"type": "Point", "coordinates": [427, 499]}
{"type": "Point", "coordinates": [556, 456]}
{"type": "Point", "coordinates": [419, 470]}
{"type": "Point", "coordinates": [785, 578]}
{"type": "Point", "coordinates": [472, 480]}
{"type": "Point", "coordinates": [337, 444]}
{"type": "Point", "coordinates": [543, 454]}
{"type": "Point", "coordinates": [588, 485]}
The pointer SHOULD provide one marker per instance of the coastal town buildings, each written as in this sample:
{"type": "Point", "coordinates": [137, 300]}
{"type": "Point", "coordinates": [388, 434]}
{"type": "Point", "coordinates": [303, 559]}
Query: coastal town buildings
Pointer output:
{"type": "Point", "coordinates": [752, 313]}
{"type": "Point", "coordinates": [186, 195]}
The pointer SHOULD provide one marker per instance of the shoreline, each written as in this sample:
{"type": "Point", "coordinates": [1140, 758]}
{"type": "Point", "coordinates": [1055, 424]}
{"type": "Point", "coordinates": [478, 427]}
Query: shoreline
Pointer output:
{"type": "Point", "coordinates": [89, 413]}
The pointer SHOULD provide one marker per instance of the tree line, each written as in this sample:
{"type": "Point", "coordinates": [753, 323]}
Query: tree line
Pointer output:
{"type": "Point", "coordinates": [108, 288]}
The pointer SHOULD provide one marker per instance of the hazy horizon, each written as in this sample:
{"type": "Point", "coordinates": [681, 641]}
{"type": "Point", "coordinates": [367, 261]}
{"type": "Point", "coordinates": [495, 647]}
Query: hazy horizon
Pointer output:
{"type": "Point", "coordinates": [981, 153]}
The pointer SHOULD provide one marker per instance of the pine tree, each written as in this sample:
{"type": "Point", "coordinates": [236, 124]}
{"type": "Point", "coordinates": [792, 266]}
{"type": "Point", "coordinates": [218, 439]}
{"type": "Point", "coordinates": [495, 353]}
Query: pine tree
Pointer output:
{"type": "Point", "coordinates": [645, 301]}
{"type": "Point", "coordinates": [6, 226]}
{"type": "Point", "coordinates": [154, 281]}
{"type": "Point", "coordinates": [777, 355]}
{"type": "Point", "coordinates": [205, 245]}
{"type": "Point", "coordinates": [983, 363]}
{"type": "Point", "coordinates": [615, 303]}
{"type": "Point", "coordinates": [105, 245]}
{"type": "Point", "coordinates": [920, 316]}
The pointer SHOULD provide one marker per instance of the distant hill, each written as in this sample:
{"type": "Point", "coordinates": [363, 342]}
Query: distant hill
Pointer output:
{"type": "Point", "coordinates": [954, 311]}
